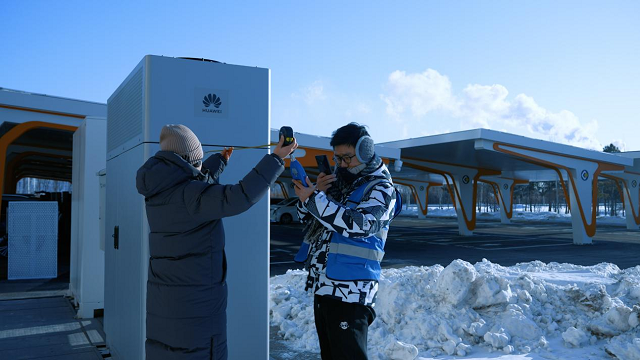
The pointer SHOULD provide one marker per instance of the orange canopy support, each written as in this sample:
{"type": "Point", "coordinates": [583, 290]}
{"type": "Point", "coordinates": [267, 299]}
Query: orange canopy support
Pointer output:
{"type": "Point", "coordinates": [8, 138]}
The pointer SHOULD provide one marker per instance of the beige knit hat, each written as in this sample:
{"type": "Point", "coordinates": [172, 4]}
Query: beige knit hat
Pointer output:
{"type": "Point", "coordinates": [182, 141]}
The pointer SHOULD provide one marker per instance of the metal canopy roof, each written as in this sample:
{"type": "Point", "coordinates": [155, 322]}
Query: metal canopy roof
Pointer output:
{"type": "Point", "coordinates": [36, 135]}
{"type": "Point", "coordinates": [475, 149]}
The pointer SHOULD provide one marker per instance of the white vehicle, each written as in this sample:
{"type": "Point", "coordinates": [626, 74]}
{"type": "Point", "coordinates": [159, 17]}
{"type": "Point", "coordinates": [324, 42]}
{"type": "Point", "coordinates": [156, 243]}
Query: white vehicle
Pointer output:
{"type": "Point", "coordinates": [285, 211]}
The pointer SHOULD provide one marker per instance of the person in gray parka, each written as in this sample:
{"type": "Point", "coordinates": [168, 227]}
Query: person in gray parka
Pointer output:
{"type": "Point", "coordinates": [186, 288]}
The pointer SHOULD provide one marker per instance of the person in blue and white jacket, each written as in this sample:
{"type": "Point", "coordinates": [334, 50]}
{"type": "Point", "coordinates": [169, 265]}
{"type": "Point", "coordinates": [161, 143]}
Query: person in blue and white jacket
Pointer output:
{"type": "Point", "coordinates": [347, 215]}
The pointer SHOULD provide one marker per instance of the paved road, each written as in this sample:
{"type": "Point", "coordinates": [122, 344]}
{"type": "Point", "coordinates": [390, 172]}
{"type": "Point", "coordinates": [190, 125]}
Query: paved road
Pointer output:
{"type": "Point", "coordinates": [436, 241]}
{"type": "Point", "coordinates": [46, 328]}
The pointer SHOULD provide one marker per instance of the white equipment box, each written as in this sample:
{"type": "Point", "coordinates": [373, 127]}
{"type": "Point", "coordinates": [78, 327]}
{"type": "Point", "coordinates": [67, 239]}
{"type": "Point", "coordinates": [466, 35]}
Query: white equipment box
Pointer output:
{"type": "Point", "coordinates": [87, 256]}
{"type": "Point", "coordinates": [159, 91]}
{"type": "Point", "coordinates": [33, 240]}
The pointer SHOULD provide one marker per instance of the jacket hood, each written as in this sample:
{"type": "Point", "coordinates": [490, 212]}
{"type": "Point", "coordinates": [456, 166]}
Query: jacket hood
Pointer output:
{"type": "Point", "coordinates": [163, 171]}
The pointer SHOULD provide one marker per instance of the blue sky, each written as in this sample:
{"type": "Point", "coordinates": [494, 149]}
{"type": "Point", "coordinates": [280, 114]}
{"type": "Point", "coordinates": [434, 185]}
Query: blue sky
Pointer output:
{"type": "Point", "coordinates": [564, 71]}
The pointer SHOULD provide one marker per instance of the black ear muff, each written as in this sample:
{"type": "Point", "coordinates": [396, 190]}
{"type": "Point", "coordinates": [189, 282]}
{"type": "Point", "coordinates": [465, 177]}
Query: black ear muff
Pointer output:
{"type": "Point", "coordinates": [365, 150]}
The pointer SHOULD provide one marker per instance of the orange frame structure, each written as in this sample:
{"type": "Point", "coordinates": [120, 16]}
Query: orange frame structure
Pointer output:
{"type": "Point", "coordinates": [17, 131]}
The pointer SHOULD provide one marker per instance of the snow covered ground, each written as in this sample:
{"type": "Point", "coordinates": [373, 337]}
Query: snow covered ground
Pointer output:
{"type": "Point", "coordinates": [518, 214]}
{"type": "Point", "coordinates": [485, 311]}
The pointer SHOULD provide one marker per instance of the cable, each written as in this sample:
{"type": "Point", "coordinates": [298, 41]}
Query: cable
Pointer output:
{"type": "Point", "coordinates": [266, 146]}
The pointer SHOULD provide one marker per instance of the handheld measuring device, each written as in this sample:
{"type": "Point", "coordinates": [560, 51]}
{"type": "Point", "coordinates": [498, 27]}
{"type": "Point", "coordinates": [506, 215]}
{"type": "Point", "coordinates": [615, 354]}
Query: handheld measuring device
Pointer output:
{"type": "Point", "coordinates": [287, 133]}
{"type": "Point", "coordinates": [297, 171]}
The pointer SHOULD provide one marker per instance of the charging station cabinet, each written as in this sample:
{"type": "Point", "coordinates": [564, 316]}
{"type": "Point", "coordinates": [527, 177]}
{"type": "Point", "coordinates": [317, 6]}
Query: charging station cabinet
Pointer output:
{"type": "Point", "coordinates": [87, 250]}
{"type": "Point", "coordinates": [224, 105]}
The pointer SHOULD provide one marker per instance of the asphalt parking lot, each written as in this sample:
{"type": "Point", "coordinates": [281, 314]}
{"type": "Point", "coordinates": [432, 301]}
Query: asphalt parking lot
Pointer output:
{"type": "Point", "coordinates": [431, 241]}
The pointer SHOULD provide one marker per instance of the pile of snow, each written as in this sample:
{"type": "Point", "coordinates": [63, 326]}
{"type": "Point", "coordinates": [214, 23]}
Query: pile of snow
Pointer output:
{"type": "Point", "coordinates": [556, 311]}
{"type": "Point", "coordinates": [518, 214]}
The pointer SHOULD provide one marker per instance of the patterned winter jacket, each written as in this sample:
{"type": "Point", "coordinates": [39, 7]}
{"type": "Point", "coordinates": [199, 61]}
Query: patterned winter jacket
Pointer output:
{"type": "Point", "coordinates": [372, 214]}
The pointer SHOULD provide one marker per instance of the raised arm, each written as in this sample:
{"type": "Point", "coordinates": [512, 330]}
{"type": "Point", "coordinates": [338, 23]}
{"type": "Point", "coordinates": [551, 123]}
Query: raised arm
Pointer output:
{"type": "Point", "coordinates": [215, 164]}
{"type": "Point", "coordinates": [215, 201]}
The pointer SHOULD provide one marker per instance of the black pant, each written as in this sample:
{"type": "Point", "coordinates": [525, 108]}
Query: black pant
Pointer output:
{"type": "Point", "coordinates": [342, 328]}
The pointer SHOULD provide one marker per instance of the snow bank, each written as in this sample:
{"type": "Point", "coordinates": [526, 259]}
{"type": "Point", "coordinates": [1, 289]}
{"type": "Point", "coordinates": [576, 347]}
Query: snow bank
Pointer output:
{"type": "Point", "coordinates": [464, 310]}
{"type": "Point", "coordinates": [518, 214]}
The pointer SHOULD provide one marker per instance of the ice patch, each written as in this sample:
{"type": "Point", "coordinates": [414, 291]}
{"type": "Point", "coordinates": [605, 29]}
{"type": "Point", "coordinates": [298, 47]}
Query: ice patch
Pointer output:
{"type": "Point", "coordinates": [575, 337]}
{"type": "Point", "coordinates": [454, 282]}
{"type": "Point", "coordinates": [625, 347]}
{"type": "Point", "coordinates": [401, 351]}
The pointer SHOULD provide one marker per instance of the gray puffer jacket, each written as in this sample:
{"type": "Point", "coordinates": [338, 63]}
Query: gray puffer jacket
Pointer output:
{"type": "Point", "coordinates": [186, 288]}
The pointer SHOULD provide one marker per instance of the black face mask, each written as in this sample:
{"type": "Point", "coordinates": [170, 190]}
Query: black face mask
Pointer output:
{"type": "Point", "coordinates": [346, 176]}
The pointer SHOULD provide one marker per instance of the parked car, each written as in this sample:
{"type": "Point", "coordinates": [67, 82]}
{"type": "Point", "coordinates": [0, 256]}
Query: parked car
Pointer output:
{"type": "Point", "coordinates": [285, 211]}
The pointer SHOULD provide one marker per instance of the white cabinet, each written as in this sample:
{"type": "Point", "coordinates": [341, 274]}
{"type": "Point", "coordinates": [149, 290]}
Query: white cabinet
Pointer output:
{"type": "Point", "coordinates": [127, 252]}
{"type": "Point", "coordinates": [87, 250]}
{"type": "Point", "coordinates": [161, 91]}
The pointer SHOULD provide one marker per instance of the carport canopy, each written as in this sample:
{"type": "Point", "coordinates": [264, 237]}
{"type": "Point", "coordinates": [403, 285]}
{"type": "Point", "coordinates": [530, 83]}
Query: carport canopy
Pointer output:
{"type": "Point", "coordinates": [465, 158]}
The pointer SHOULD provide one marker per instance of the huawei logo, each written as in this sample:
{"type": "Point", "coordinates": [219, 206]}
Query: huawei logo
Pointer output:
{"type": "Point", "coordinates": [212, 99]}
